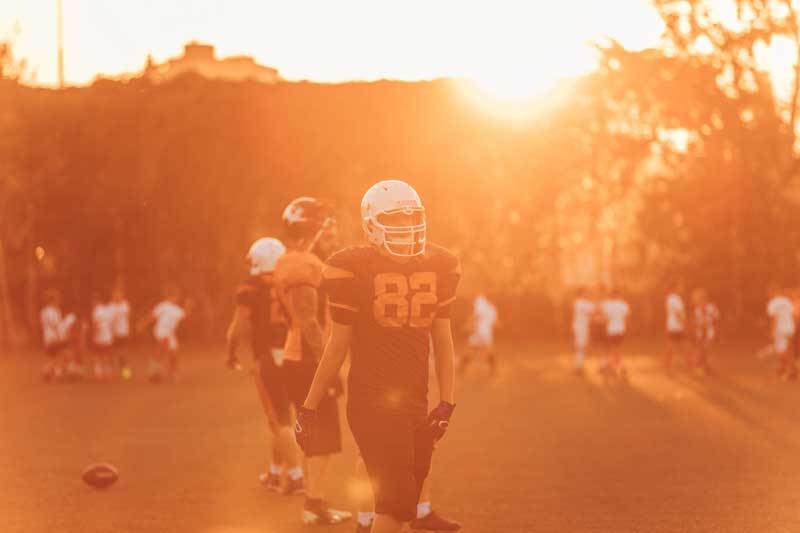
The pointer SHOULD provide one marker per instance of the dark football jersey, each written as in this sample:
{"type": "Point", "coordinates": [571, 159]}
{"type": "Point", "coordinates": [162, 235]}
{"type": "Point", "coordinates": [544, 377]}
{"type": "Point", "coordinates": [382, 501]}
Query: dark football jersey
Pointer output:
{"type": "Point", "coordinates": [391, 306]}
{"type": "Point", "coordinates": [268, 318]}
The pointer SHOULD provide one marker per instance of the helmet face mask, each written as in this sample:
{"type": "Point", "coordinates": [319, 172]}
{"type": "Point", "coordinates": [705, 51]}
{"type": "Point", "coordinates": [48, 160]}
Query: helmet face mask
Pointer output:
{"type": "Point", "coordinates": [394, 219]}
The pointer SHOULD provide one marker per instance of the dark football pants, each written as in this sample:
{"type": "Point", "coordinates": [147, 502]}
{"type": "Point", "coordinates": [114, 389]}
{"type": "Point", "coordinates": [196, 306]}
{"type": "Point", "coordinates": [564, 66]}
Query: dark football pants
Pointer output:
{"type": "Point", "coordinates": [328, 439]}
{"type": "Point", "coordinates": [397, 449]}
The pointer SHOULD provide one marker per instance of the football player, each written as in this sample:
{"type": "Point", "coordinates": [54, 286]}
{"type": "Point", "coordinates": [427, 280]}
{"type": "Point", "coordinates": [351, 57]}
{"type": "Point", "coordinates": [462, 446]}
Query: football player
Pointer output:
{"type": "Point", "coordinates": [676, 327]}
{"type": "Point", "coordinates": [58, 336]}
{"type": "Point", "coordinates": [582, 310]}
{"type": "Point", "coordinates": [387, 299]}
{"type": "Point", "coordinates": [166, 317]}
{"type": "Point", "coordinates": [311, 235]}
{"type": "Point", "coordinates": [780, 310]}
{"type": "Point", "coordinates": [481, 341]}
{"type": "Point", "coordinates": [102, 336]}
{"type": "Point", "coordinates": [616, 311]}
{"type": "Point", "coordinates": [121, 311]}
{"type": "Point", "coordinates": [705, 319]}
{"type": "Point", "coordinates": [259, 312]}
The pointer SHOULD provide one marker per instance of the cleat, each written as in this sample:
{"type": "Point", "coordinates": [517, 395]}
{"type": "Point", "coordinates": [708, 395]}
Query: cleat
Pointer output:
{"type": "Point", "coordinates": [294, 486]}
{"type": "Point", "coordinates": [271, 481]}
{"type": "Point", "coordinates": [434, 522]}
{"type": "Point", "coordinates": [317, 513]}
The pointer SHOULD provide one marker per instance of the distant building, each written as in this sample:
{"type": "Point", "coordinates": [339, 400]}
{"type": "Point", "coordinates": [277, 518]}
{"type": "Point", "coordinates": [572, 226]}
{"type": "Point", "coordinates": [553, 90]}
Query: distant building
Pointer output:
{"type": "Point", "coordinates": [199, 59]}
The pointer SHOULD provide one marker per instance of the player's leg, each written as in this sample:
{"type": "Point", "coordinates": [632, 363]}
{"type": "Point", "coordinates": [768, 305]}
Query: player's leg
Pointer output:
{"type": "Point", "coordinates": [328, 441]}
{"type": "Point", "coordinates": [581, 339]}
{"type": "Point", "coordinates": [465, 359]}
{"type": "Point", "coordinates": [365, 505]}
{"type": "Point", "coordinates": [387, 445]}
{"type": "Point", "coordinates": [427, 518]}
{"type": "Point", "coordinates": [491, 359]}
{"type": "Point", "coordinates": [272, 478]}
{"type": "Point", "coordinates": [172, 358]}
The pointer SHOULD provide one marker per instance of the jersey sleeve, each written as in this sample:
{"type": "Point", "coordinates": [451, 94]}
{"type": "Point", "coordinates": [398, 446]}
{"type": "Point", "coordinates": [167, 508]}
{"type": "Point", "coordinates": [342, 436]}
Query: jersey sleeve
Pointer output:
{"type": "Point", "coordinates": [298, 269]}
{"type": "Point", "coordinates": [246, 294]}
{"type": "Point", "coordinates": [447, 283]}
{"type": "Point", "coordinates": [339, 283]}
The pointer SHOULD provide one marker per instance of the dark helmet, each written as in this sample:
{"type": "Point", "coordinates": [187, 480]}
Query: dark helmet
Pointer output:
{"type": "Point", "coordinates": [304, 217]}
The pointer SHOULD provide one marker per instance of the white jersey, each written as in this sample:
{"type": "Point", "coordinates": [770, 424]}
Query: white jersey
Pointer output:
{"type": "Point", "coordinates": [781, 310]}
{"type": "Point", "coordinates": [168, 316]}
{"type": "Point", "coordinates": [484, 316]}
{"type": "Point", "coordinates": [103, 325]}
{"type": "Point", "coordinates": [52, 330]}
{"type": "Point", "coordinates": [676, 314]}
{"type": "Point", "coordinates": [582, 311]}
{"type": "Point", "coordinates": [706, 318]}
{"type": "Point", "coordinates": [616, 312]}
{"type": "Point", "coordinates": [122, 319]}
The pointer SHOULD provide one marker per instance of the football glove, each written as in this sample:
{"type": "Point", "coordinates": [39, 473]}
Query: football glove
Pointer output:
{"type": "Point", "coordinates": [304, 428]}
{"type": "Point", "coordinates": [439, 420]}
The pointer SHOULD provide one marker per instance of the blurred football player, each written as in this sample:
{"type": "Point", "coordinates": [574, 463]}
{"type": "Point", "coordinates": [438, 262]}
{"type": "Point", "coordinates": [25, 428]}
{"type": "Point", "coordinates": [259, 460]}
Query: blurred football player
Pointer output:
{"type": "Point", "coordinates": [260, 313]}
{"type": "Point", "coordinates": [780, 310]}
{"type": "Point", "coordinates": [102, 336]}
{"type": "Point", "coordinates": [705, 318]}
{"type": "Point", "coordinates": [796, 305]}
{"type": "Point", "coordinates": [582, 310]}
{"type": "Point", "coordinates": [58, 336]}
{"type": "Point", "coordinates": [165, 317]}
{"type": "Point", "coordinates": [481, 341]}
{"type": "Point", "coordinates": [616, 311]}
{"type": "Point", "coordinates": [387, 299]}
{"type": "Point", "coordinates": [121, 325]}
{"type": "Point", "coordinates": [311, 235]}
{"type": "Point", "coordinates": [676, 327]}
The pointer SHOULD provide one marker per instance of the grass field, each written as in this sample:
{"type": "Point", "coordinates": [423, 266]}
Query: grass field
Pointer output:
{"type": "Point", "coordinates": [534, 450]}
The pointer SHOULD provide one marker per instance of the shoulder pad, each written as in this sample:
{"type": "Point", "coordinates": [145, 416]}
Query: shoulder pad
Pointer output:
{"type": "Point", "coordinates": [298, 268]}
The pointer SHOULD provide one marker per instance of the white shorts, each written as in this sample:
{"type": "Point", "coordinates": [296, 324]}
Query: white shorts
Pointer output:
{"type": "Point", "coordinates": [782, 340]}
{"type": "Point", "coordinates": [481, 339]}
{"type": "Point", "coordinates": [169, 341]}
{"type": "Point", "coordinates": [581, 337]}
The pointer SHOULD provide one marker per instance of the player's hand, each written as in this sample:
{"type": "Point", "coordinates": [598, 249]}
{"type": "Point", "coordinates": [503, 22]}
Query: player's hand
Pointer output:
{"type": "Point", "coordinates": [439, 420]}
{"type": "Point", "coordinates": [304, 428]}
{"type": "Point", "coordinates": [233, 363]}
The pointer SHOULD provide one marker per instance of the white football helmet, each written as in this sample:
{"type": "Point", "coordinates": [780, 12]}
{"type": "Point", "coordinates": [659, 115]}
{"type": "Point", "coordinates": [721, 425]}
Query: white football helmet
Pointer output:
{"type": "Point", "coordinates": [263, 255]}
{"type": "Point", "coordinates": [382, 205]}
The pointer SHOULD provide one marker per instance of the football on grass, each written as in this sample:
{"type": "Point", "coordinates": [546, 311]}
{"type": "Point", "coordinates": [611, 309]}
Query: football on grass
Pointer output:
{"type": "Point", "coordinates": [100, 475]}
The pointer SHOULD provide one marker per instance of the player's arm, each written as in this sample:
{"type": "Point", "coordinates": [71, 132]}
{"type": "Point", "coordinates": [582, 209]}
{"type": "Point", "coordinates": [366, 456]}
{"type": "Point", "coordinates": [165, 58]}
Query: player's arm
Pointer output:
{"type": "Point", "coordinates": [240, 324]}
{"type": "Point", "coordinates": [444, 359]}
{"type": "Point", "coordinates": [304, 305]}
{"type": "Point", "coordinates": [329, 365]}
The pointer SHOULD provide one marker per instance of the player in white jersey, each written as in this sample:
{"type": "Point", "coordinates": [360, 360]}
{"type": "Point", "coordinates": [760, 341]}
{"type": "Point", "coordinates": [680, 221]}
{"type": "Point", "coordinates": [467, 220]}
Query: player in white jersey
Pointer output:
{"type": "Point", "coordinates": [675, 312]}
{"type": "Point", "coordinates": [57, 336]}
{"type": "Point", "coordinates": [705, 320]}
{"type": "Point", "coordinates": [102, 337]}
{"type": "Point", "coordinates": [780, 310]}
{"type": "Point", "coordinates": [582, 311]}
{"type": "Point", "coordinates": [121, 310]}
{"type": "Point", "coordinates": [616, 311]}
{"type": "Point", "coordinates": [165, 317]}
{"type": "Point", "coordinates": [796, 303]}
{"type": "Point", "coordinates": [481, 341]}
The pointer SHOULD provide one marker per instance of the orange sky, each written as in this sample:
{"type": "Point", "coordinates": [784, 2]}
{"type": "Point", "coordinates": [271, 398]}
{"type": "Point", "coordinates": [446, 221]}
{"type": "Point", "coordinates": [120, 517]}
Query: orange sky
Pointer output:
{"type": "Point", "coordinates": [511, 47]}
